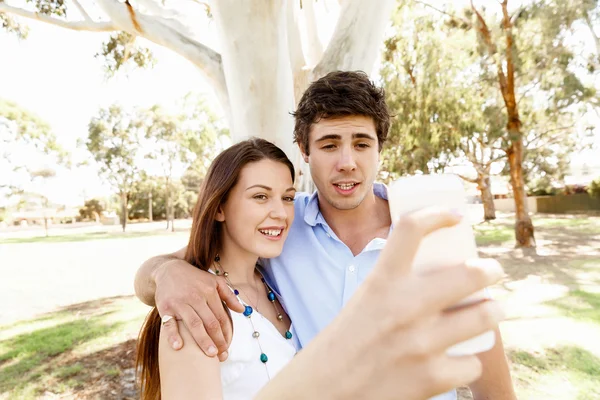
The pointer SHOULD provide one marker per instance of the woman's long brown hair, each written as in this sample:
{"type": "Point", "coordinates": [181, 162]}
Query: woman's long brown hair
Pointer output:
{"type": "Point", "coordinates": [204, 243]}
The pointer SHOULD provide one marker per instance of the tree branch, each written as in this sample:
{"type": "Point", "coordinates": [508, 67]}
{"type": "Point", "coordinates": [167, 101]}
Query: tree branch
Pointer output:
{"type": "Point", "coordinates": [170, 34]}
{"type": "Point", "coordinates": [297, 59]}
{"type": "Point", "coordinates": [73, 25]}
{"type": "Point", "coordinates": [542, 134]}
{"type": "Point", "coordinates": [358, 34]}
{"type": "Point", "coordinates": [590, 25]}
{"type": "Point", "coordinates": [82, 11]}
{"type": "Point", "coordinates": [466, 178]}
{"type": "Point", "coordinates": [444, 12]}
{"type": "Point", "coordinates": [315, 47]}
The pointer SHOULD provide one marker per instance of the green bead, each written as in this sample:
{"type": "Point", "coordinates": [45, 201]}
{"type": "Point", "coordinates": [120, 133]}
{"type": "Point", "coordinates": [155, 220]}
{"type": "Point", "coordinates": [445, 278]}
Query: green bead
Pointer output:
{"type": "Point", "coordinates": [264, 358]}
{"type": "Point", "coordinates": [288, 335]}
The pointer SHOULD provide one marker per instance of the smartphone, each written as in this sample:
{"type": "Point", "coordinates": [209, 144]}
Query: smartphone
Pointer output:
{"type": "Point", "coordinates": [446, 247]}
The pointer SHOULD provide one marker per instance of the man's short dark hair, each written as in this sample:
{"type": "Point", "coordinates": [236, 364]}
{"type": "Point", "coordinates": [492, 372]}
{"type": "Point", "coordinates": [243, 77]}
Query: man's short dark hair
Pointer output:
{"type": "Point", "coordinates": [340, 94]}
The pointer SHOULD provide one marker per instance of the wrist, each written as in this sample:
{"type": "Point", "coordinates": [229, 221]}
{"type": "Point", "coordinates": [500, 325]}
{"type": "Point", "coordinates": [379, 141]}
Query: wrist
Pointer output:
{"type": "Point", "coordinates": [159, 272]}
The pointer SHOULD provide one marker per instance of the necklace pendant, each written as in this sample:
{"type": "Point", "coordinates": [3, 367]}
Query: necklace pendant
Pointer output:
{"type": "Point", "coordinates": [248, 311]}
{"type": "Point", "coordinates": [264, 358]}
{"type": "Point", "coordinates": [256, 334]}
{"type": "Point", "coordinates": [280, 317]}
{"type": "Point", "coordinates": [288, 335]}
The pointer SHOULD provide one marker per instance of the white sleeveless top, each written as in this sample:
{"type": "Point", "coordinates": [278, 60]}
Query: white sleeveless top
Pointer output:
{"type": "Point", "coordinates": [243, 374]}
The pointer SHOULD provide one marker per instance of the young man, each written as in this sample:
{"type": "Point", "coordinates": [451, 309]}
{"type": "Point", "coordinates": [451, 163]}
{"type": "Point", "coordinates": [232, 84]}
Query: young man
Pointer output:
{"type": "Point", "coordinates": [339, 231]}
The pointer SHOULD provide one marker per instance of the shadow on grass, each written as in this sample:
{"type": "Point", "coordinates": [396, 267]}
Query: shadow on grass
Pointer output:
{"type": "Point", "coordinates": [90, 236]}
{"type": "Point", "coordinates": [21, 356]}
{"type": "Point", "coordinates": [568, 252]}
{"type": "Point", "coordinates": [579, 366]}
{"type": "Point", "coordinates": [579, 305]}
{"type": "Point", "coordinates": [41, 357]}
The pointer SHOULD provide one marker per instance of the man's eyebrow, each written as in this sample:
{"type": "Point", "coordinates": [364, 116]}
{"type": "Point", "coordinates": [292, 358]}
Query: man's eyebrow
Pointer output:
{"type": "Point", "coordinates": [362, 136]}
{"type": "Point", "coordinates": [328, 137]}
{"type": "Point", "coordinates": [358, 135]}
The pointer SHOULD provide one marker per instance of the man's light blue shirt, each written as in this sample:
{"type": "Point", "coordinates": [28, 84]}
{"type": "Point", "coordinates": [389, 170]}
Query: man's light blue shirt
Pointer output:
{"type": "Point", "coordinates": [316, 274]}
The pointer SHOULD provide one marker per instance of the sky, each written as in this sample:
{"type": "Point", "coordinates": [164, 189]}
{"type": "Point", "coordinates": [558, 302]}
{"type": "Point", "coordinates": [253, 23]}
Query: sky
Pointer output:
{"type": "Point", "coordinates": [55, 74]}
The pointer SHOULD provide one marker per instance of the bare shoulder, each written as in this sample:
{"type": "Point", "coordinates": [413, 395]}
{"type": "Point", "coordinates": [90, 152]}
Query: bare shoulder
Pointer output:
{"type": "Point", "coordinates": [180, 254]}
{"type": "Point", "coordinates": [188, 373]}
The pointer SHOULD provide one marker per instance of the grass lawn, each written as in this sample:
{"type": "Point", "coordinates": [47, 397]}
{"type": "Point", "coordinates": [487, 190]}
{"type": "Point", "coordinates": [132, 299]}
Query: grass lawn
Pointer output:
{"type": "Point", "coordinates": [552, 297]}
{"type": "Point", "coordinates": [78, 352]}
{"type": "Point", "coordinates": [552, 334]}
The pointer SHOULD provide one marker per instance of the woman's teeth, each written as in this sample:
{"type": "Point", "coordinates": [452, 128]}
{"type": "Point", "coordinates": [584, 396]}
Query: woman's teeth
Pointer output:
{"type": "Point", "coordinates": [270, 232]}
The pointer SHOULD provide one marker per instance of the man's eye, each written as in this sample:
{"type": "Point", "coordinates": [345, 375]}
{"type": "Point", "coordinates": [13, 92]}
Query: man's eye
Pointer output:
{"type": "Point", "coordinates": [363, 145]}
{"type": "Point", "coordinates": [328, 146]}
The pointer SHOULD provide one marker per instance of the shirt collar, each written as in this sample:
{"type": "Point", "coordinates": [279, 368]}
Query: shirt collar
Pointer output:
{"type": "Point", "coordinates": [312, 213]}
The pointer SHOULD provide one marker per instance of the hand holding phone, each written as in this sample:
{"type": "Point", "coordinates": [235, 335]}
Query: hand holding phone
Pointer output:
{"type": "Point", "coordinates": [446, 247]}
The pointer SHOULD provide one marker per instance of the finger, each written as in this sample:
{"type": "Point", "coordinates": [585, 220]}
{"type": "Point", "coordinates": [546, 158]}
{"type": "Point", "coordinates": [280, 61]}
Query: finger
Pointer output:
{"type": "Point", "coordinates": [399, 252]}
{"type": "Point", "coordinates": [213, 318]}
{"type": "Point", "coordinates": [445, 287]}
{"type": "Point", "coordinates": [171, 330]}
{"type": "Point", "coordinates": [225, 326]}
{"type": "Point", "coordinates": [465, 323]}
{"type": "Point", "coordinates": [453, 372]}
{"type": "Point", "coordinates": [196, 327]}
{"type": "Point", "coordinates": [229, 297]}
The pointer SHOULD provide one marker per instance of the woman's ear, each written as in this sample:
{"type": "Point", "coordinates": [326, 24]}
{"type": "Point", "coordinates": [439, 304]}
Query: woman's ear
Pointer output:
{"type": "Point", "coordinates": [220, 215]}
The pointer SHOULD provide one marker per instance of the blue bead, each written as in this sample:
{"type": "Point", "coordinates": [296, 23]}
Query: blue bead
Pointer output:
{"type": "Point", "coordinates": [264, 358]}
{"type": "Point", "coordinates": [271, 296]}
{"type": "Point", "coordinates": [236, 292]}
{"type": "Point", "coordinates": [247, 311]}
{"type": "Point", "coordinates": [288, 335]}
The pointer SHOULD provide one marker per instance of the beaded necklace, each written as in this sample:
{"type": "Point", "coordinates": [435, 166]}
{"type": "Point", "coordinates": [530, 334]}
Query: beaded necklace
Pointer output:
{"type": "Point", "coordinates": [248, 310]}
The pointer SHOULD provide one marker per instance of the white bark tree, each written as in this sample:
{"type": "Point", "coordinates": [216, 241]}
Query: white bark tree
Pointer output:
{"type": "Point", "coordinates": [261, 68]}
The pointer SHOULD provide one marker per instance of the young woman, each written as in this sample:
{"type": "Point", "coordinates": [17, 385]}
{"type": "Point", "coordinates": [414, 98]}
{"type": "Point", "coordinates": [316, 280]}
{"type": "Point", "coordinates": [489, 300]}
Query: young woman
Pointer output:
{"type": "Point", "coordinates": [244, 211]}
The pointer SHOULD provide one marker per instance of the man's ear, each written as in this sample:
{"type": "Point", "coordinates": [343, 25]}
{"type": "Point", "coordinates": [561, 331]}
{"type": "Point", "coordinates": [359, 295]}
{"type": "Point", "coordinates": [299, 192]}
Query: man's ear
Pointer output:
{"type": "Point", "coordinates": [303, 152]}
{"type": "Point", "coordinates": [220, 215]}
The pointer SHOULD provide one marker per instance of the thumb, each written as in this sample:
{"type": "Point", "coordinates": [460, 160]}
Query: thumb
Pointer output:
{"type": "Point", "coordinates": [229, 297]}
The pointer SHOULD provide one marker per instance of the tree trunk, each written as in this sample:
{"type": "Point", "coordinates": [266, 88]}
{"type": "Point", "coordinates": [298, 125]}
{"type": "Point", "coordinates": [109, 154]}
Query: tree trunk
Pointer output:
{"type": "Point", "coordinates": [487, 198]}
{"type": "Point", "coordinates": [150, 206]}
{"type": "Point", "coordinates": [46, 217]}
{"type": "Point", "coordinates": [168, 202]}
{"type": "Point", "coordinates": [256, 64]}
{"type": "Point", "coordinates": [523, 224]}
{"type": "Point", "coordinates": [172, 207]}
{"type": "Point", "coordinates": [123, 210]}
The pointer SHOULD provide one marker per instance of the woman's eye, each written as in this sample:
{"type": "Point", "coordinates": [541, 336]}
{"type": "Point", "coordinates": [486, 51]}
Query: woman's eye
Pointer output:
{"type": "Point", "coordinates": [289, 199]}
{"type": "Point", "coordinates": [260, 197]}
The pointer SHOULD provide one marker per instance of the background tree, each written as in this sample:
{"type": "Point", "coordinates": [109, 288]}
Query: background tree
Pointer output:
{"type": "Point", "coordinates": [260, 43]}
{"type": "Point", "coordinates": [181, 140]}
{"type": "Point", "coordinates": [25, 136]}
{"type": "Point", "coordinates": [444, 114]}
{"type": "Point", "coordinates": [42, 177]}
{"type": "Point", "coordinates": [524, 52]}
{"type": "Point", "coordinates": [23, 132]}
{"type": "Point", "coordinates": [91, 210]}
{"type": "Point", "coordinates": [113, 139]}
